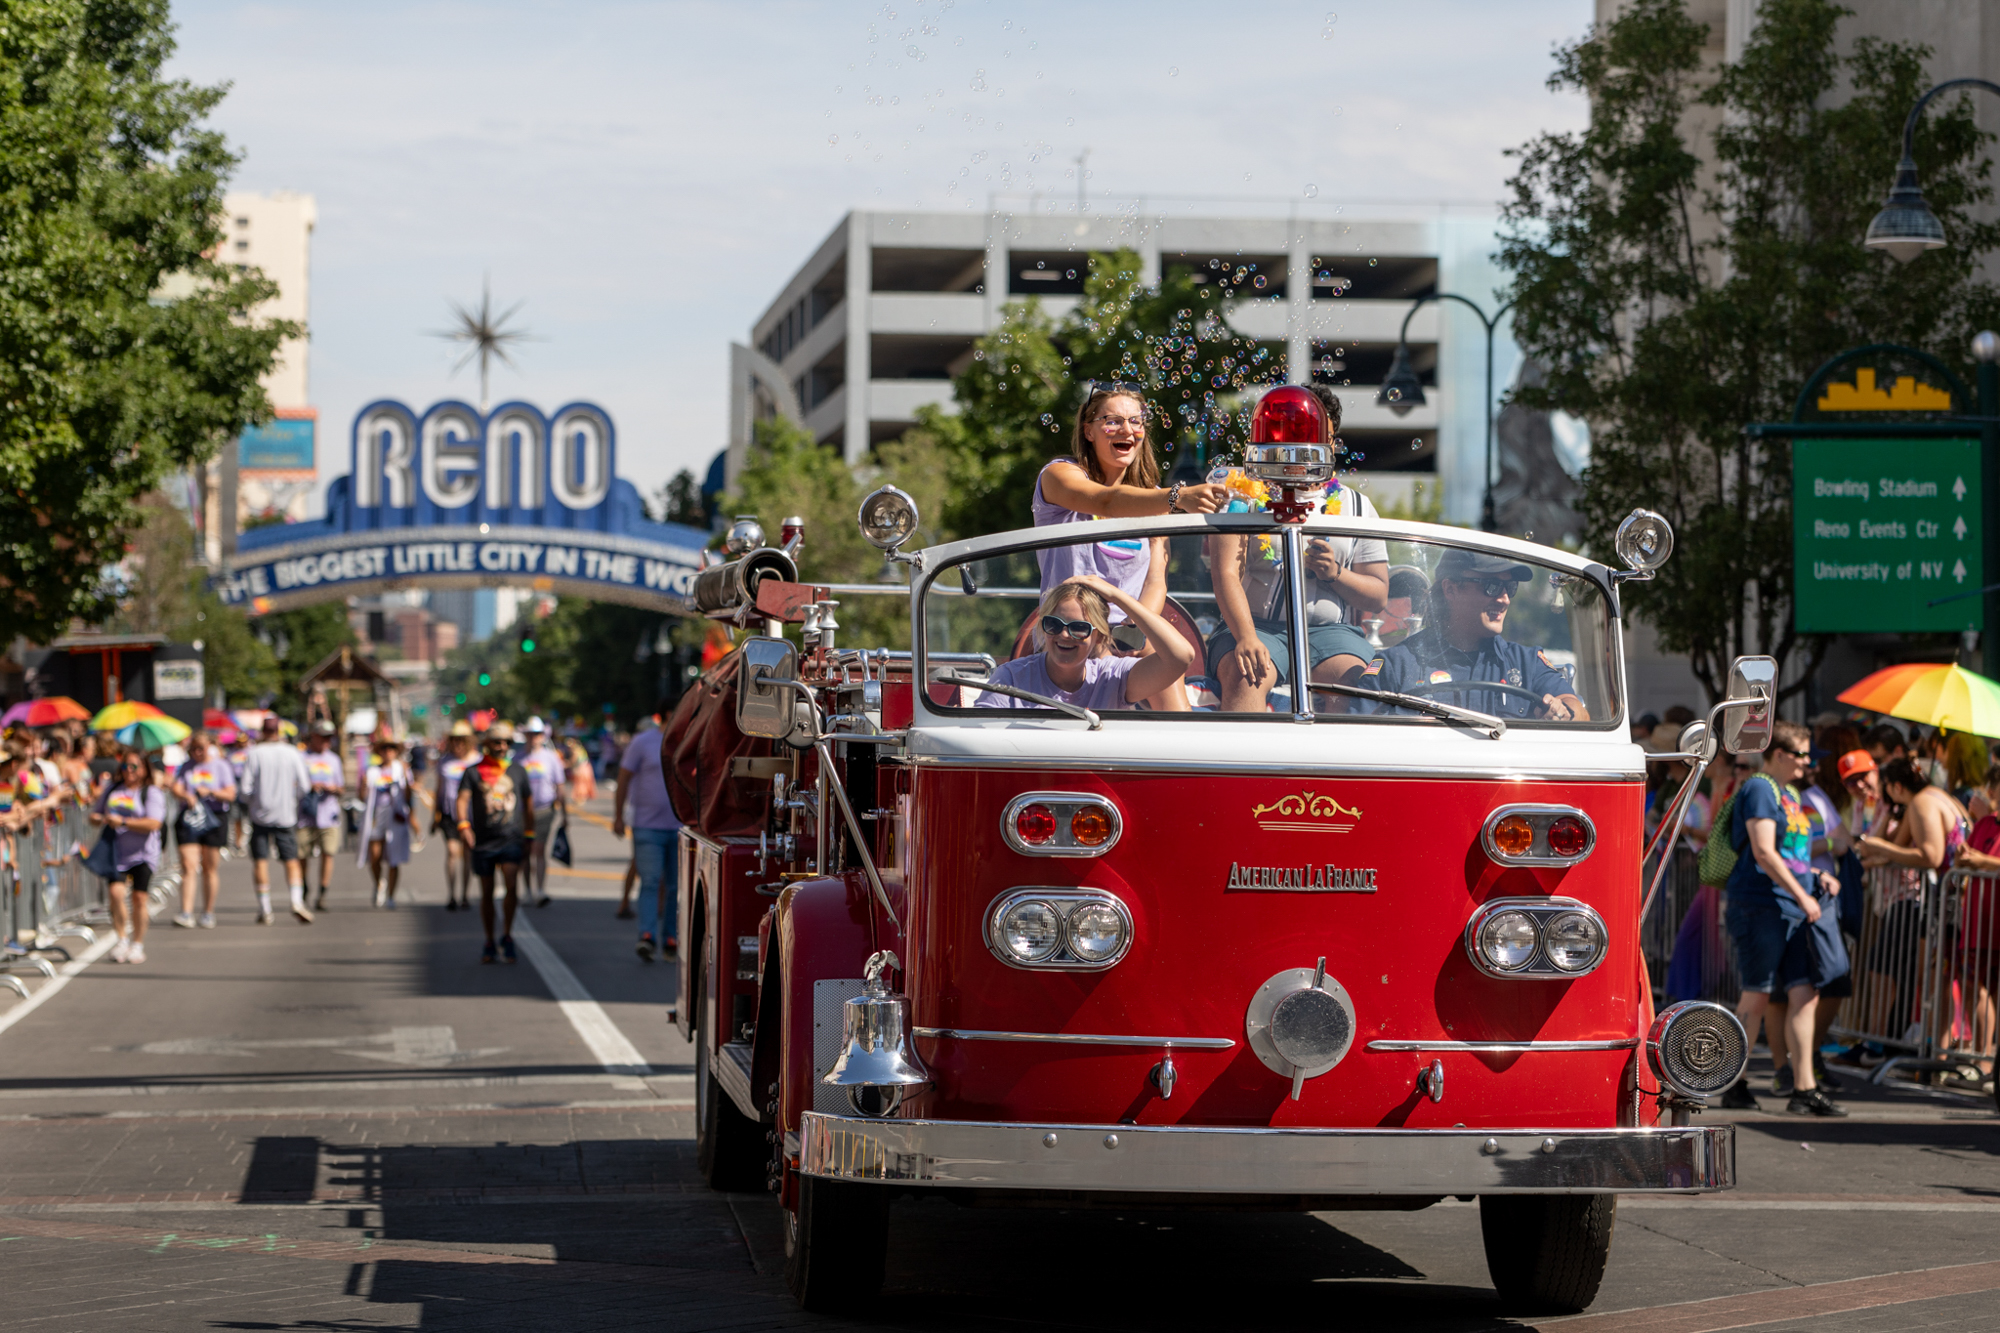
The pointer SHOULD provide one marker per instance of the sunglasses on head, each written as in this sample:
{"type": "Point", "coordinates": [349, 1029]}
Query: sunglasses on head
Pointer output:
{"type": "Point", "coordinates": [1075, 629]}
{"type": "Point", "coordinates": [1111, 386]}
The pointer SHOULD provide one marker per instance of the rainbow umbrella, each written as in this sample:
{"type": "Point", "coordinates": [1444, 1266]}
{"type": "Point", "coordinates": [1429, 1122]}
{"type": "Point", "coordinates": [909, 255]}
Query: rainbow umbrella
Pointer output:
{"type": "Point", "coordinates": [1933, 693]}
{"type": "Point", "coordinates": [49, 712]}
{"type": "Point", "coordinates": [123, 715]}
{"type": "Point", "coordinates": [154, 733]}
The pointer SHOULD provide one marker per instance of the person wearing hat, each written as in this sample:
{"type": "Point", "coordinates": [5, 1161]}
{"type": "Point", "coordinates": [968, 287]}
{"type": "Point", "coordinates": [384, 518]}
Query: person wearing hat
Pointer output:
{"type": "Point", "coordinates": [1463, 642]}
{"type": "Point", "coordinates": [459, 755]}
{"type": "Point", "coordinates": [385, 827]}
{"type": "Point", "coordinates": [543, 768]}
{"type": "Point", "coordinates": [319, 820]}
{"type": "Point", "coordinates": [496, 826]}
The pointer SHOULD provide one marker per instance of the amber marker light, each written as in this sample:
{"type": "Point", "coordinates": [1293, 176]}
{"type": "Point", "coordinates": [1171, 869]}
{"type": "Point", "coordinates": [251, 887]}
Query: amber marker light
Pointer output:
{"type": "Point", "coordinates": [1090, 826]}
{"type": "Point", "coordinates": [1035, 824]}
{"type": "Point", "coordinates": [1514, 836]}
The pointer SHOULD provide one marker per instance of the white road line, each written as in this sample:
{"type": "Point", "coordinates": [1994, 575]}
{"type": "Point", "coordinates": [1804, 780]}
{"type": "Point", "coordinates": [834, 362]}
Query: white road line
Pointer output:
{"type": "Point", "coordinates": [1709, 1204]}
{"type": "Point", "coordinates": [247, 1087]}
{"type": "Point", "coordinates": [98, 948]}
{"type": "Point", "coordinates": [611, 1047]}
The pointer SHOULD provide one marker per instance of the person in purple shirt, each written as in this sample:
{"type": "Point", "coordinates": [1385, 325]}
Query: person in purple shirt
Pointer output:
{"type": "Point", "coordinates": [132, 810]}
{"type": "Point", "coordinates": [1076, 665]}
{"type": "Point", "coordinates": [207, 780]}
{"type": "Point", "coordinates": [655, 828]}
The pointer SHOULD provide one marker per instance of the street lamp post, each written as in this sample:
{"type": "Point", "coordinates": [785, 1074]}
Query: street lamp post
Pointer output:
{"type": "Point", "coordinates": [1402, 390]}
{"type": "Point", "coordinates": [1905, 228]}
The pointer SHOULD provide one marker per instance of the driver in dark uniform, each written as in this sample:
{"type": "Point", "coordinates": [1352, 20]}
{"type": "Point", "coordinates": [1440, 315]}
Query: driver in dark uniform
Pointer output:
{"type": "Point", "coordinates": [1469, 604]}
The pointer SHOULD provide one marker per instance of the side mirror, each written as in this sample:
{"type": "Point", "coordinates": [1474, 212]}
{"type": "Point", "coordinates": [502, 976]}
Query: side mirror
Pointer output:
{"type": "Point", "coordinates": [1749, 711]}
{"type": "Point", "coordinates": [767, 709]}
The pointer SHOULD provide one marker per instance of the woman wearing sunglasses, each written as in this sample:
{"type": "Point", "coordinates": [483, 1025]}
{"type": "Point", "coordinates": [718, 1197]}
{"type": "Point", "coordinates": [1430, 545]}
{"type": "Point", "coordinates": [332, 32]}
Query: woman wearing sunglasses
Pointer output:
{"type": "Point", "coordinates": [132, 811]}
{"type": "Point", "coordinates": [1075, 663]}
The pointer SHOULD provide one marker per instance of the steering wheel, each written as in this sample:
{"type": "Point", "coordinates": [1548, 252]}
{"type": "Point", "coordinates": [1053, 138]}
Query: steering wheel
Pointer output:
{"type": "Point", "coordinates": [1425, 688]}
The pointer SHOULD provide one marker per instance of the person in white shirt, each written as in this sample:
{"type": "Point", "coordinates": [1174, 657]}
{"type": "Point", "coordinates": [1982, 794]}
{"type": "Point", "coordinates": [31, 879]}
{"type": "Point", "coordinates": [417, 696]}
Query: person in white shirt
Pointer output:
{"type": "Point", "coordinates": [546, 776]}
{"type": "Point", "coordinates": [385, 828]}
{"type": "Point", "coordinates": [319, 822]}
{"type": "Point", "coordinates": [275, 781]}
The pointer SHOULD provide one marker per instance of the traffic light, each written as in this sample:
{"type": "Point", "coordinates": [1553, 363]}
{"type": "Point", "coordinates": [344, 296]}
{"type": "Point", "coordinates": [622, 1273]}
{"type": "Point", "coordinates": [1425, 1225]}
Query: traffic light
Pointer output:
{"type": "Point", "coordinates": [461, 698]}
{"type": "Point", "coordinates": [485, 679]}
{"type": "Point", "coordinates": [527, 643]}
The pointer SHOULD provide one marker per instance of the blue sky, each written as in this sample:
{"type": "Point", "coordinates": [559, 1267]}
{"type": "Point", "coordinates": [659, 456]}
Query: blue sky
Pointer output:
{"type": "Point", "coordinates": [645, 176]}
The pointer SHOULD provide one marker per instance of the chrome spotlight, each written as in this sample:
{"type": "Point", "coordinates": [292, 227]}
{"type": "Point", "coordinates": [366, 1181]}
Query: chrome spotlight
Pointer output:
{"type": "Point", "coordinates": [888, 518]}
{"type": "Point", "coordinates": [1644, 542]}
{"type": "Point", "coordinates": [745, 535]}
{"type": "Point", "coordinates": [1697, 1048]}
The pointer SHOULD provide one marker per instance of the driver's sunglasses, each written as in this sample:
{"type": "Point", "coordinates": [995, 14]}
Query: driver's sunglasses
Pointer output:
{"type": "Point", "coordinates": [1075, 629]}
{"type": "Point", "coordinates": [1494, 589]}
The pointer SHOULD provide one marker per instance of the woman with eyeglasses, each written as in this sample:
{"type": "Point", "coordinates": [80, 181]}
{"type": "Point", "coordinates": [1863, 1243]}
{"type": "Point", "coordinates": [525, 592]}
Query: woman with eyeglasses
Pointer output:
{"type": "Point", "coordinates": [1112, 472]}
{"type": "Point", "coordinates": [132, 810]}
{"type": "Point", "coordinates": [1076, 664]}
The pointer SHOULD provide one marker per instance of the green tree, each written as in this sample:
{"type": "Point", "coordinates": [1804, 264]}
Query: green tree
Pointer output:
{"type": "Point", "coordinates": [590, 654]}
{"type": "Point", "coordinates": [164, 591]}
{"type": "Point", "coordinates": [788, 474]}
{"type": "Point", "coordinates": [680, 501]}
{"type": "Point", "coordinates": [1684, 264]}
{"type": "Point", "coordinates": [109, 185]}
{"type": "Point", "coordinates": [1016, 402]}
{"type": "Point", "coordinates": [301, 639]}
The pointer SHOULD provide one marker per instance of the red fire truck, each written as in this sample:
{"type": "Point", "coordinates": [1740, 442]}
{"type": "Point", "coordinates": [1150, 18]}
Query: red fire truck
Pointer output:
{"type": "Point", "coordinates": [1373, 943]}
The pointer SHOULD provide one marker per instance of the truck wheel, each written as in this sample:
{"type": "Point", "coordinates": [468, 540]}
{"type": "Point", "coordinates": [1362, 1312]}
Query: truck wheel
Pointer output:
{"type": "Point", "coordinates": [836, 1244]}
{"type": "Point", "coordinates": [729, 1147]}
{"type": "Point", "coordinates": [1546, 1252]}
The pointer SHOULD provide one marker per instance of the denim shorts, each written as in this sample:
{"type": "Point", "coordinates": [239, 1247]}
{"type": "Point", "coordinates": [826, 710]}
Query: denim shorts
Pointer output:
{"type": "Point", "coordinates": [1322, 642]}
{"type": "Point", "coordinates": [1772, 953]}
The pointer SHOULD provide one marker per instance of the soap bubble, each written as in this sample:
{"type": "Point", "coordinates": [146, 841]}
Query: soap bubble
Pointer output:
{"type": "Point", "coordinates": [1417, 443]}
{"type": "Point", "coordinates": [1394, 395]}
{"type": "Point", "coordinates": [1312, 191]}
{"type": "Point", "coordinates": [1174, 73]}
{"type": "Point", "coordinates": [1371, 263]}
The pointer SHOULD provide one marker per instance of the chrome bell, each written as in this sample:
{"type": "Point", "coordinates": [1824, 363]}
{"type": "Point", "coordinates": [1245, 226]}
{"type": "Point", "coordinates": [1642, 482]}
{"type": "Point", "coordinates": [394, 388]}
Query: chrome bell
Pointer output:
{"type": "Point", "coordinates": [876, 1065]}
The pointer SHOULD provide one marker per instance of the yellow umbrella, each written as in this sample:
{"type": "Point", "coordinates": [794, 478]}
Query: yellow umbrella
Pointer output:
{"type": "Point", "coordinates": [1936, 694]}
{"type": "Point", "coordinates": [121, 715]}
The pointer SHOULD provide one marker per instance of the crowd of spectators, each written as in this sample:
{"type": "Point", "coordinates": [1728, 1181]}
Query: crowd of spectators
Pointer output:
{"type": "Point", "coordinates": [1833, 837]}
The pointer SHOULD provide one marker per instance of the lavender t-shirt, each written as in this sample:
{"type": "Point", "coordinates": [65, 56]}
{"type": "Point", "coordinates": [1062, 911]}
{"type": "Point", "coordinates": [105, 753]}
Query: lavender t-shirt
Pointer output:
{"type": "Point", "coordinates": [1123, 563]}
{"type": "Point", "coordinates": [133, 847]}
{"type": "Point", "coordinates": [1103, 683]}
{"type": "Point", "coordinates": [649, 807]}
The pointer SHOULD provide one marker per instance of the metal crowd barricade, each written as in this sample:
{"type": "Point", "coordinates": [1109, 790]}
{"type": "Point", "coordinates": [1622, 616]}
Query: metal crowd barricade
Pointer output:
{"type": "Point", "coordinates": [50, 896]}
{"type": "Point", "coordinates": [1962, 980]}
{"type": "Point", "coordinates": [1889, 966]}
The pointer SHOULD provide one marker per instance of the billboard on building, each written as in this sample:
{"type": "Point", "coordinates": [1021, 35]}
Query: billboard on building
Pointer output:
{"type": "Point", "coordinates": [284, 445]}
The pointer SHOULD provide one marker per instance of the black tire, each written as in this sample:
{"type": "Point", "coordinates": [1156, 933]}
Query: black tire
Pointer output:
{"type": "Point", "coordinates": [1546, 1252]}
{"type": "Point", "coordinates": [729, 1147]}
{"type": "Point", "coordinates": [836, 1245]}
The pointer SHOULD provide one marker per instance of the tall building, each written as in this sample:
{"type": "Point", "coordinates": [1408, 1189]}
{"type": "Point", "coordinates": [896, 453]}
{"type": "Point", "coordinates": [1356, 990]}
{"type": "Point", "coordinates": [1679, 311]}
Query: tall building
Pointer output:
{"type": "Point", "coordinates": [876, 322]}
{"type": "Point", "coordinates": [271, 471]}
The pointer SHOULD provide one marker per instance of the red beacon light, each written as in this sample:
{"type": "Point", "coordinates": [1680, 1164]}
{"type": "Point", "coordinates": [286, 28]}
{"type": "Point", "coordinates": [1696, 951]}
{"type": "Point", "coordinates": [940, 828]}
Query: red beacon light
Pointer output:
{"type": "Point", "coordinates": [1288, 451]}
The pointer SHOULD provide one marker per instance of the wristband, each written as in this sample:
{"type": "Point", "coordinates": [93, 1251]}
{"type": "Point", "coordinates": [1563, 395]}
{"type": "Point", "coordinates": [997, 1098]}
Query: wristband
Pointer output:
{"type": "Point", "coordinates": [1174, 498]}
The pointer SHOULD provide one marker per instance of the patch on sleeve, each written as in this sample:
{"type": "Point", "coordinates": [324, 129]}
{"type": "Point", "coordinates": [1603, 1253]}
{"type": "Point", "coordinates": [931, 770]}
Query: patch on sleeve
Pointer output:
{"type": "Point", "coordinates": [1374, 668]}
{"type": "Point", "coordinates": [1543, 654]}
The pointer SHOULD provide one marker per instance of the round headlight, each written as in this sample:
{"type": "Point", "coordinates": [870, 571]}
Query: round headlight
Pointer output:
{"type": "Point", "coordinates": [1573, 941]}
{"type": "Point", "coordinates": [1508, 940]}
{"type": "Point", "coordinates": [1031, 931]}
{"type": "Point", "coordinates": [1096, 932]}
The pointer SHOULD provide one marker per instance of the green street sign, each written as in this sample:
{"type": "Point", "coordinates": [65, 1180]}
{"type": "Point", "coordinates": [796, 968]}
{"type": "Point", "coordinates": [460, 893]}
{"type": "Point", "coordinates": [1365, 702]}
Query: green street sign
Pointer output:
{"type": "Point", "coordinates": [1882, 527]}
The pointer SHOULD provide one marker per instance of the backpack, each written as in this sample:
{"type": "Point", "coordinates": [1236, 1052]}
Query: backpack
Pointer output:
{"type": "Point", "coordinates": [1720, 853]}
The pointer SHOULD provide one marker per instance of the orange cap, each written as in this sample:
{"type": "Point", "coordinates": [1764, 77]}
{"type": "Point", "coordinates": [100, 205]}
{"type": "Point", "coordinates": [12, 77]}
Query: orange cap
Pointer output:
{"type": "Point", "coordinates": [1856, 761]}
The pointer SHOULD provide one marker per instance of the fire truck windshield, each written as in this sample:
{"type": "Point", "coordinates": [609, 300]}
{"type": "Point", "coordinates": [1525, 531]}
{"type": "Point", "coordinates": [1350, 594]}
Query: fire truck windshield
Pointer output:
{"type": "Point", "coordinates": [1466, 630]}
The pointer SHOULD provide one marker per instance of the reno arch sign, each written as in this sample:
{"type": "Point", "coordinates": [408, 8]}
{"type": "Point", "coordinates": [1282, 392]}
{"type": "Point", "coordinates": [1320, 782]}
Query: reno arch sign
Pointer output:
{"type": "Point", "coordinates": [453, 498]}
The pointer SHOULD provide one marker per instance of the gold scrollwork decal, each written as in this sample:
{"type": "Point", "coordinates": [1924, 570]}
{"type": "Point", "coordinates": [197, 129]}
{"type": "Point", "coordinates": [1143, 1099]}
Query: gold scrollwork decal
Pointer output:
{"type": "Point", "coordinates": [1305, 812]}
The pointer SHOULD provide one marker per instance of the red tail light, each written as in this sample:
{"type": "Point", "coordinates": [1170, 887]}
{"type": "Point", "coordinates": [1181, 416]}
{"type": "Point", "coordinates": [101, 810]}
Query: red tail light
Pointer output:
{"type": "Point", "coordinates": [1035, 824]}
{"type": "Point", "coordinates": [1568, 837]}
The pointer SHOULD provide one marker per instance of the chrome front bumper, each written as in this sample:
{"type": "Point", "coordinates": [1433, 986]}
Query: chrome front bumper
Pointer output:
{"type": "Point", "coordinates": [1176, 1159]}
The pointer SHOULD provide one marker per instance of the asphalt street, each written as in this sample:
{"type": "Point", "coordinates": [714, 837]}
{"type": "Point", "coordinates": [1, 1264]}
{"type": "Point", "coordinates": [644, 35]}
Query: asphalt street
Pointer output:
{"type": "Point", "coordinates": [356, 1125]}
